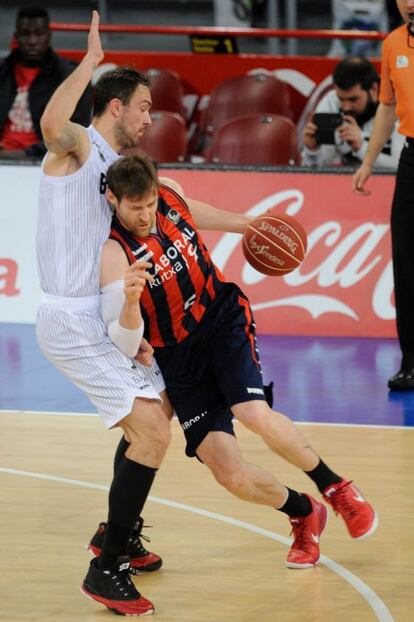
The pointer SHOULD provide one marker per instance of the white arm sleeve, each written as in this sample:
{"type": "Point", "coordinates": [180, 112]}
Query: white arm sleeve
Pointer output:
{"type": "Point", "coordinates": [112, 300]}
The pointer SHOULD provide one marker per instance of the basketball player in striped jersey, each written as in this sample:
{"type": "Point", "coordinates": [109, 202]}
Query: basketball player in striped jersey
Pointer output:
{"type": "Point", "coordinates": [203, 334]}
{"type": "Point", "coordinates": [74, 222]}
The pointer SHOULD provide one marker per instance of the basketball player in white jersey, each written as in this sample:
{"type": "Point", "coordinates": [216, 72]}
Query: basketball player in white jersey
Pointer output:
{"type": "Point", "coordinates": [74, 222]}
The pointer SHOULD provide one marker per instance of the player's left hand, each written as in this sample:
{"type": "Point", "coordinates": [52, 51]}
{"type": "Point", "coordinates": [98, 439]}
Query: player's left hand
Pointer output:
{"type": "Point", "coordinates": [136, 277]}
{"type": "Point", "coordinates": [95, 51]}
{"type": "Point", "coordinates": [351, 133]}
{"type": "Point", "coordinates": [145, 353]}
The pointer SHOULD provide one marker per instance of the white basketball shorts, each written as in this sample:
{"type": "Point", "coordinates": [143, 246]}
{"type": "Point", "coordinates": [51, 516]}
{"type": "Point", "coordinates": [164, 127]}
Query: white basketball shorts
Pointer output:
{"type": "Point", "coordinates": [77, 343]}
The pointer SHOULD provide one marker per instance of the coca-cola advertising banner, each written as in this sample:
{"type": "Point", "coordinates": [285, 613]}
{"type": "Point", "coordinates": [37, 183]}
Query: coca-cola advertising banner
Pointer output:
{"type": "Point", "coordinates": [344, 286]}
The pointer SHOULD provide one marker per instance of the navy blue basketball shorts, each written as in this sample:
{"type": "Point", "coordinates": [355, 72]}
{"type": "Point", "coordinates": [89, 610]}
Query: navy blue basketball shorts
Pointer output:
{"type": "Point", "coordinates": [213, 368]}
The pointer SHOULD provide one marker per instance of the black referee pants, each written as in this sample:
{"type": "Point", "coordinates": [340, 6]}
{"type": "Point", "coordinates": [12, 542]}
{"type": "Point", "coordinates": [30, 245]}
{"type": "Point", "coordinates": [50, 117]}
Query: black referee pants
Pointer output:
{"type": "Point", "coordinates": [402, 233]}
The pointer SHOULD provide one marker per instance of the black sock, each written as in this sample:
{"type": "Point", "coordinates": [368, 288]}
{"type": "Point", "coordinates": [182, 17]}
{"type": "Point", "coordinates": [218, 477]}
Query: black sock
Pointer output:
{"type": "Point", "coordinates": [120, 453]}
{"type": "Point", "coordinates": [114, 544]}
{"type": "Point", "coordinates": [297, 504]}
{"type": "Point", "coordinates": [323, 476]}
{"type": "Point", "coordinates": [129, 491]}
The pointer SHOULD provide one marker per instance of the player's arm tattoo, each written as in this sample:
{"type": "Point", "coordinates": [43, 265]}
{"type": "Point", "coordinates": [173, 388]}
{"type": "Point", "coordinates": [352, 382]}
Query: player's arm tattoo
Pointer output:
{"type": "Point", "coordinates": [68, 141]}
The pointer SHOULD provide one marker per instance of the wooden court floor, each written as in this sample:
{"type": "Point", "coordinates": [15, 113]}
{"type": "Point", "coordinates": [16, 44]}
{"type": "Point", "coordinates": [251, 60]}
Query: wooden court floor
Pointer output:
{"type": "Point", "coordinates": [223, 558]}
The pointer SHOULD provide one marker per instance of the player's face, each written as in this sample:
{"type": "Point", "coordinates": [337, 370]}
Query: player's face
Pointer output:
{"type": "Point", "coordinates": [33, 37]}
{"type": "Point", "coordinates": [406, 8]}
{"type": "Point", "coordinates": [134, 118]}
{"type": "Point", "coordinates": [354, 101]}
{"type": "Point", "coordinates": [138, 214]}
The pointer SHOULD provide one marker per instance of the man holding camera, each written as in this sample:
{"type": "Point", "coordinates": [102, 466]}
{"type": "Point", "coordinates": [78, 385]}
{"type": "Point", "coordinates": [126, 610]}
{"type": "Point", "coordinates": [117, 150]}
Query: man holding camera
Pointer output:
{"type": "Point", "coordinates": [340, 129]}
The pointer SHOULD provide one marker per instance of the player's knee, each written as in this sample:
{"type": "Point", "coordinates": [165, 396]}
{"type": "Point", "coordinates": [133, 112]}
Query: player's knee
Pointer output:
{"type": "Point", "coordinates": [254, 415]}
{"type": "Point", "coordinates": [150, 444]}
{"type": "Point", "coordinates": [230, 478]}
{"type": "Point", "coordinates": [159, 433]}
{"type": "Point", "coordinates": [151, 429]}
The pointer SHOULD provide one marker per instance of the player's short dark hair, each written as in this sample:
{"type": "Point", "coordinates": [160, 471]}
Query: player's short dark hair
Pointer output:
{"type": "Point", "coordinates": [133, 176]}
{"type": "Point", "coordinates": [32, 12]}
{"type": "Point", "coordinates": [354, 70]}
{"type": "Point", "coordinates": [119, 83]}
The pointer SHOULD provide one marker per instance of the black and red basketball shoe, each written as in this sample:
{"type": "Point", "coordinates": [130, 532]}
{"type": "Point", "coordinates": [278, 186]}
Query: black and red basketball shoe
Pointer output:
{"type": "Point", "coordinates": [141, 559]}
{"type": "Point", "coordinates": [113, 588]}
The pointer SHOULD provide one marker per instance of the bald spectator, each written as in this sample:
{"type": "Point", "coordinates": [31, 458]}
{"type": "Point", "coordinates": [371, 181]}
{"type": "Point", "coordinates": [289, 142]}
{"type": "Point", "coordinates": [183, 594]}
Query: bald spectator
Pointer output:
{"type": "Point", "coordinates": [28, 78]}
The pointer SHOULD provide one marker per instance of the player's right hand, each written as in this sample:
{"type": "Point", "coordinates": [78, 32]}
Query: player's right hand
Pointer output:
{"type": "Point", "coordinates": [95, 50]}
{"type": "Point", "coordinates": [136, 277]}
{"type": "Point", "coordinates": [360, 178]}
{"type": "Point", "coordinates": [145, 353]}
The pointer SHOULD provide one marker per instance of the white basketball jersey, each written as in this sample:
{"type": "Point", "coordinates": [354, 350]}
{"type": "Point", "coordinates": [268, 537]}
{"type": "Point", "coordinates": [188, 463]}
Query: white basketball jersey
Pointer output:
{"type": "Point", "coordinates": [73, 224]}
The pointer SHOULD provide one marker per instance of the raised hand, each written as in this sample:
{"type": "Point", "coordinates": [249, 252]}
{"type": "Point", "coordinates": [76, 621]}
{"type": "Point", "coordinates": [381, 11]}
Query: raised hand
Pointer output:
{"type": "Point", "coordinates": [95, 50]}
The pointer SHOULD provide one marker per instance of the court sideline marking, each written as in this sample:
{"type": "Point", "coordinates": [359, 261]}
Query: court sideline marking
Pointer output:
{"type": "Point", "coordinates": [374, 601]}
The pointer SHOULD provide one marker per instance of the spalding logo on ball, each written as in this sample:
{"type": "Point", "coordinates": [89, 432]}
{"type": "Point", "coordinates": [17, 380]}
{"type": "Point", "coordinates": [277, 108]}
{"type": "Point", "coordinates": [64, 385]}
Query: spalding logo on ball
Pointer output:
{"type": "Point", "coordinates": [274, 244]}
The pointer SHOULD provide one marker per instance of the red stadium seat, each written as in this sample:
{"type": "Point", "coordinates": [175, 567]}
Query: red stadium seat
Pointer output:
{"type": "Point", "coordinates": [166, 139]}
{"type": "Point", "coordinates": [167, 91]}
{"type": "Point", "coordinates": [244, 95]}
{"type": "Point", "coordinates": [260, 140]}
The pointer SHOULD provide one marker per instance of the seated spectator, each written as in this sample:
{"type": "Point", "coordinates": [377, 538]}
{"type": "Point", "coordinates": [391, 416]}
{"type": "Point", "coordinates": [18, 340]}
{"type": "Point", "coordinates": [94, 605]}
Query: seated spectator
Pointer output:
{"type": "Point", "coordinates": [355, 97]}
{"type": "Point", "coordinates": [28, 77]}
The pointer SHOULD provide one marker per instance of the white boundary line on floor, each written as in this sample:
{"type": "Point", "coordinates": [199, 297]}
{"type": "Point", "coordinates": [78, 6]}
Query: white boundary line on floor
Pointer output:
{"type": "Point", "coordinates": [320, 423]}
{"type": "Point", "coordinates": [373, 600]}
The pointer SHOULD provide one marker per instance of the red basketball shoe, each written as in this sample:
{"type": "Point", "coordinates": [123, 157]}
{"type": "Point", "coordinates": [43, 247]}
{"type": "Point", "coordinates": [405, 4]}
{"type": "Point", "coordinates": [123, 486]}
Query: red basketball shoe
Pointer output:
{"type": "Point", "coordinates": [306, 530]}
{"type": "Point", "coordinates": [360, 517]}
{"type": "Point", "coordinates": [141, 559]}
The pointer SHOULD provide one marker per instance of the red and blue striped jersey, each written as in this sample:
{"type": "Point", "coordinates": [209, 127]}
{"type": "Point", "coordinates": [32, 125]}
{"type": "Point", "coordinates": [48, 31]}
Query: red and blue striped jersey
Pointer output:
{"type": "Point", "coordinates": [186, 280]}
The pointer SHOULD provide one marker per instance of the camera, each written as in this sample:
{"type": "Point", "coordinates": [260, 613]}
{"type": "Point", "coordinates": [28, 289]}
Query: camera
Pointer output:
{"type": "Point", "coordinates": [327, 123]}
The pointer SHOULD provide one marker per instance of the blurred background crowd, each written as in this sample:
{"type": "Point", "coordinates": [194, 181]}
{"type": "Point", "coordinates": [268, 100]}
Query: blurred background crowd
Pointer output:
{"type": "Point", "coordinates": [206, 130]}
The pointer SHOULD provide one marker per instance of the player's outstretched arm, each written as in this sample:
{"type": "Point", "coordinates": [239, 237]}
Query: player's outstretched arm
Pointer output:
{"type": "Point", "coordinates": [210, 218]}
{"type": "Point", "coordinates": [60, 135]}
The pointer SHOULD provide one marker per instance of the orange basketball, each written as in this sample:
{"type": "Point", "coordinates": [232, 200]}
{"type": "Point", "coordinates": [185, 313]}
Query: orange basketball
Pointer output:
{"type": "Point", "coordinates": [274, 244]}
